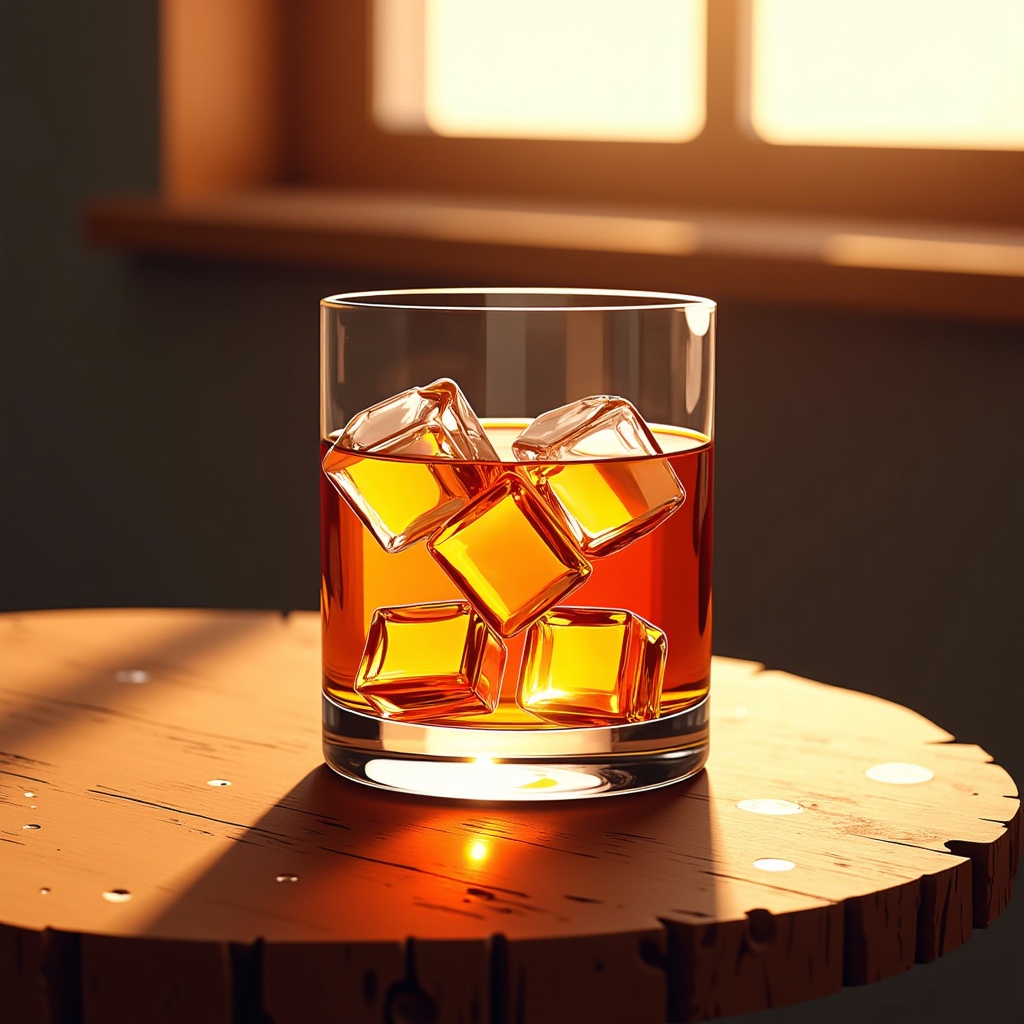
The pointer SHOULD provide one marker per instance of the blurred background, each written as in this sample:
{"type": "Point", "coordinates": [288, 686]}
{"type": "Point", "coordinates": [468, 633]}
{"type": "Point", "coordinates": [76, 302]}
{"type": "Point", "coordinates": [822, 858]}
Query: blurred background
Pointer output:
{"type": "Point", "coordinates": [170, 219]}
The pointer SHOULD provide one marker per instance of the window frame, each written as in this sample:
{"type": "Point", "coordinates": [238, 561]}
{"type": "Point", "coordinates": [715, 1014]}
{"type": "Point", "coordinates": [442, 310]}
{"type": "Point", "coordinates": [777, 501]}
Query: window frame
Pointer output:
{"type": "Point", "coordinates": [269, 155]}
{"type": "Point", "coordinates": [332, 143]}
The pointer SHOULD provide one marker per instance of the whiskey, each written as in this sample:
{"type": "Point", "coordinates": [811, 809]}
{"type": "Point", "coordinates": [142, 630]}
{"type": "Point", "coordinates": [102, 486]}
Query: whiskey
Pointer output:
{"type": "Point", "coordinates": [654, 560]}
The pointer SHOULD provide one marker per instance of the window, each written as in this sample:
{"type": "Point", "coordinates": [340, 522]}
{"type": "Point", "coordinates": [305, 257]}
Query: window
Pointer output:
{"type": "Point", "coordinates": [896, 73]}
{"type": "Point", "coordinates": [944, 74]}
{"type": "Point", "coordinates": [534, 69]}
{"type": "Point", "coordinates": [274, 150]}
{"type": "Point", "coordinates": [334, 141]}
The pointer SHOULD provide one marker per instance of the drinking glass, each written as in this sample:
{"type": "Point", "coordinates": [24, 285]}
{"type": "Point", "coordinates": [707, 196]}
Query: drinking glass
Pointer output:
{"type": "Point", "coordinates": [516, 540]}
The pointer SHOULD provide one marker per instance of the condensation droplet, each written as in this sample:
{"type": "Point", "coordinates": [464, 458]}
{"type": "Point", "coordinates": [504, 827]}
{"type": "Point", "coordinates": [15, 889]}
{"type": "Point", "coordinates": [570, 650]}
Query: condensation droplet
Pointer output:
{"type": "Point", "coordinates": [29, 794]}
{"type": "Point", "coordinates": [899, 774]}
{"type": "Point", "coordinates": [32, 827]}
{"type": "Point", "coordinates": [764, 806]}
{"type": "Point", "coordinates": [117, 895]}
{"type": "Point", "coordinates": [132, 675]}
{"type": "Point", "coordinates": [218, 782]}
{"type": "Point", "coordinates": [287, 878]}
{"type": "Point", "coordinates": [774, 864]}
{"type": "Point", "coordinates": [44, 891]}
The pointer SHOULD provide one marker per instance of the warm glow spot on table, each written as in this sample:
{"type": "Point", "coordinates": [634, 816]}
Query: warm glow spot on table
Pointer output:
{"type": "Point", "coordinates": [773, 864]}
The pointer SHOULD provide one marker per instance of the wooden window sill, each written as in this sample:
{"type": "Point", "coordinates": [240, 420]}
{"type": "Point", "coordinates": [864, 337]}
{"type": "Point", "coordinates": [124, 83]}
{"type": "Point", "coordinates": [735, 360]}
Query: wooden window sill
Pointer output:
{"type": "Point", "coordinates": [976, 273]}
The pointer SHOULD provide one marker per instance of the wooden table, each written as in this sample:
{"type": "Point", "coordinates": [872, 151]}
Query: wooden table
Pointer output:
{"type": "Point", "coordinates": [173, 849]}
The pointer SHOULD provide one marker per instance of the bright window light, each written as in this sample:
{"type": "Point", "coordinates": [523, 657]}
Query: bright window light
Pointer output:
{"type": "Point", "coordinates": [915, 73]}
{"type": "Point", "coordinates": [615, 70]}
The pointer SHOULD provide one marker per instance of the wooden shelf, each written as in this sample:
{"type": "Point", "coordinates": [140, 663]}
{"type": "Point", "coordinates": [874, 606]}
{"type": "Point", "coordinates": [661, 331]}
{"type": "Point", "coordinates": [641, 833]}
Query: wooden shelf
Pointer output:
{"type": "Point", "coordinates": [930, 270]}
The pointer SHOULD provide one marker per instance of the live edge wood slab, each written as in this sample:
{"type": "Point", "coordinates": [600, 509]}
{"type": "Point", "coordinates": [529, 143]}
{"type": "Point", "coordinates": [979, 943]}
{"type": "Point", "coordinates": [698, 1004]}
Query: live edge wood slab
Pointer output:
{"type": "Point", "coordinates": [137, 887]}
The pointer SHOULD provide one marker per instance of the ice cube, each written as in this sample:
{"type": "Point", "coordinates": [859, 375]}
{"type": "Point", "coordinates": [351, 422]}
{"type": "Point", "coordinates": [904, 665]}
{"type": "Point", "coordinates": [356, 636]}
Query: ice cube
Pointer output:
{"type": "Point", "coordinates": [509, 555]}
{"type": "Point", "coordinates": [592, 666]}
{"type": "Point", "coordinates": [435, 421]}
{"type": "Point", "coordinates": [403, 501]}
{"type": "Point", "coordinates": [624, 491]}
{"type": "Point", "coordinates": [599, 427]}
{"type": "Point", "coordinates": [401, 464]}
{"type": "Point", "coordinates": [429, 660]}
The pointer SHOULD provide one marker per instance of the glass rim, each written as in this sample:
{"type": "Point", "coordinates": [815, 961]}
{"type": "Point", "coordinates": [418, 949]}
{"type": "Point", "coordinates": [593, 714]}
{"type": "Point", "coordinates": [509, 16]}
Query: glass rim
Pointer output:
{"type": "Point", "coordinates": [378, 299]}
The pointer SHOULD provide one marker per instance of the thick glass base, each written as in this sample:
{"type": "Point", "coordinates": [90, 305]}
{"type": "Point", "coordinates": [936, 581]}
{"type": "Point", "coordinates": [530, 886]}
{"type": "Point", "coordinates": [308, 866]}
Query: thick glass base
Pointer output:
{"type": "Point", "coordinates": [464, 763]}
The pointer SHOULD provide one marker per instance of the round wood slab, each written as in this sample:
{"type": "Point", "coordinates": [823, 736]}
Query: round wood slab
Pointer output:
{"type": "Point", "coordinates": [173, 849]}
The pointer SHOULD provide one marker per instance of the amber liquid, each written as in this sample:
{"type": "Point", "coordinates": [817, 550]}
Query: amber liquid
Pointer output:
{"type": "Point", "coordinates": [663, 576]}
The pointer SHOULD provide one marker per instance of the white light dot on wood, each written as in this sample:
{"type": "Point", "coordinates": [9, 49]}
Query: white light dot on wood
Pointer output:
{"type": "Point", "coordinates": [117, 895]}
{"type": "Point", "coordinates": [899, 774]}
{"type": "Point", "coordinates": [736, 714]}
{"type": "Point", "coordinates": [132, 675]}
{"type": "Point", "coordinates": [218, 782]}
{"type": "Point", "coordinates": [769, 806]}
{"type": "Point", "coordinates": [773, 864]}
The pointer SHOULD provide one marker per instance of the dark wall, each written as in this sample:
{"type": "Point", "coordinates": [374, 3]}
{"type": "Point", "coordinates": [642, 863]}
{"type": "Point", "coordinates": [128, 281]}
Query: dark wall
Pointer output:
{"type": "Point", "coordinates": [158, 423]}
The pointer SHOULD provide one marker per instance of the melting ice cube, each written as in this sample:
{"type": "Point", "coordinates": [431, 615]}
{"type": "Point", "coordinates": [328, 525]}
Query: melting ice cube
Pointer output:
{"type": "Point", "coordinates": [401, 464]}
{"type": "Point", "coordinates": [622, 492]}
{"type": "Point", "coordinates": [592, 666]}
{"type": "Point", "coordinates": [425, 660]}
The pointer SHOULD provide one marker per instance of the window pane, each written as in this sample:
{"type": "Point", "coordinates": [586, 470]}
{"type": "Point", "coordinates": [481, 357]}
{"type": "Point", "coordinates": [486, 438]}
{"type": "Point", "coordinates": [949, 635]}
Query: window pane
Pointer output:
{"type": "Point", "coordinates": [564, 69]}
{"type": "Point", "coordinates": [922, 73]}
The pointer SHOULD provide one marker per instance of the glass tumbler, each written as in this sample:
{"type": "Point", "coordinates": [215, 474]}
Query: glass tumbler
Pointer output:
{"type": "Point", "coordinates": [516, 536]}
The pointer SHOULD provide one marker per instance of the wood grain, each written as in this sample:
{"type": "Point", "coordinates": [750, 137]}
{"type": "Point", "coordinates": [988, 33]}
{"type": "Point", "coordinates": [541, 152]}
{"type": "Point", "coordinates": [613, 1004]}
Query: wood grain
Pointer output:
{"type": "Point", "coordinates": [293, 896]}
